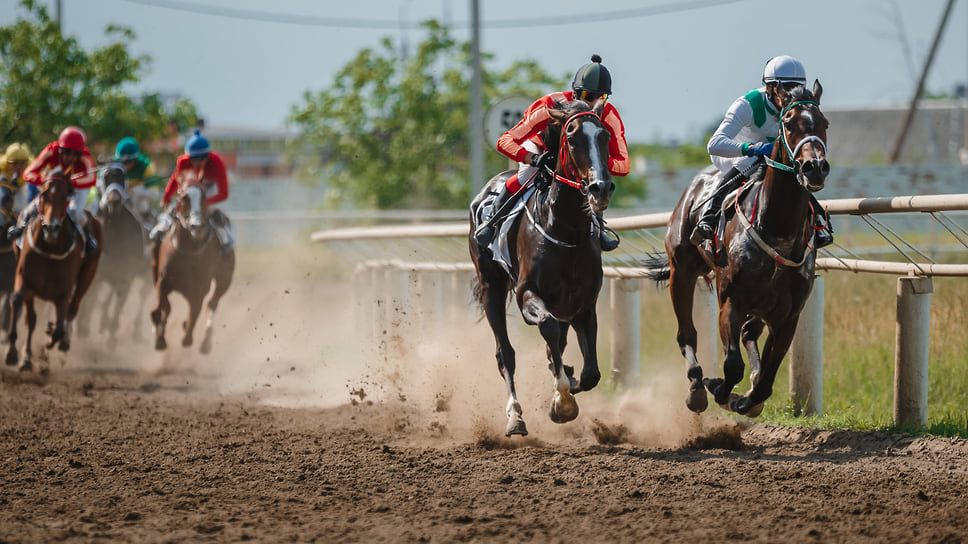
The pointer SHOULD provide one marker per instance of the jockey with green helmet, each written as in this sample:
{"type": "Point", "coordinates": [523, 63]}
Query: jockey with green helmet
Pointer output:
{"type": "Point", "coordinates": [745, 136]}
{"type": "Point", "coordinates": [142, 184]}
{"type": "Point", "coordinates": [522, 143]}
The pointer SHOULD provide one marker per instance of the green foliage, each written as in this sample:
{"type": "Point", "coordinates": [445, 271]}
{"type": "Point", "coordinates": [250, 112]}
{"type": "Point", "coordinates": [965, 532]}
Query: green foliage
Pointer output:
{"type": "Point", "coordinates": [48, 82]}
{"type": "Point", "coordinates": [391, 131]}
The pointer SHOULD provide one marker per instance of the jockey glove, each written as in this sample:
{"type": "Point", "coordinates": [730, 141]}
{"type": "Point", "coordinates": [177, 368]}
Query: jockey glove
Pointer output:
{"type": "Point", "coordinates": [760, 149]}
{"type": "Point", "coordinates": [543, 159]}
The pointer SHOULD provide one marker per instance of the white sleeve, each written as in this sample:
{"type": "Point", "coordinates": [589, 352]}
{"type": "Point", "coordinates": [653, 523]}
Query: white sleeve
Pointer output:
{"type": "Point", "coordinates": [723, 142]}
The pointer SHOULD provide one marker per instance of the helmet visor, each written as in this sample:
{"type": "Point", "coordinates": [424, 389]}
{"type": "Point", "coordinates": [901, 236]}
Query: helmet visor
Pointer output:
{"type": "Point", "coordinates": [591, 96]}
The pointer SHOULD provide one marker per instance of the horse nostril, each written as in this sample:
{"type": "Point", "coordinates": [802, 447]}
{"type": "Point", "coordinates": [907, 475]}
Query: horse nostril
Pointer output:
{"type": "Point", "coordinates": [824, 168]}
{"type": "Point", "coordinates": [807, 168]}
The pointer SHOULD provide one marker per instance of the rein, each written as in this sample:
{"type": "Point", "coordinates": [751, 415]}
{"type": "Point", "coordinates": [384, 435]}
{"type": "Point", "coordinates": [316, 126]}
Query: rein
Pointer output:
{"type": "Point", "coordinates": [32, 243]}
{"type": "Point", "coordinates": [792, 153]}
{"type": "Point", "coordinates": [563, 155]}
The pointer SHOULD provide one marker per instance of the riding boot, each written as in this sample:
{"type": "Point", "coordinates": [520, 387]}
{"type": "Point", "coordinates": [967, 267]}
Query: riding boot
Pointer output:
{"type": "Point", "coordinates": [485, 233]}
{"type": "Point", "coordinates": [29, 212]}
{"type": "Point", "coordinates": [606, 241]}
{"type": "Point", "coordinates": [823, 228]}
{"type": "Point", "coordinates": [90, 244]}
{"type": "Point", "coordinates": [164, 223]}
{"type": "Point", "coordinates": [705, 228]}
{"type": "Point", "coordinates": [223, 232]}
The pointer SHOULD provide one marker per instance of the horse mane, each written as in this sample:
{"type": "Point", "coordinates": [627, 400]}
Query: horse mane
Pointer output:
{"type": "Point", "coordinates": [551, 135]}
{"type": "Point", "coordinates": [799, 94]}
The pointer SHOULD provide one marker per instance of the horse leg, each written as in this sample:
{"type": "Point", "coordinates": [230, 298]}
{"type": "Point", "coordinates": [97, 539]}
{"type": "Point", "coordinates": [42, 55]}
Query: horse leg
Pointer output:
{"type": "Point", "coordinates": [5, 312]}
{"type": "Point", "coordinates": [223, 278]}
{"type": "Point", "coordinates": [16, 305]}
{"type": "Point", "coordinates": [85, 276]}
{"type": "Point", "coordinates": [682, 286]}
{"type": "Point", "coordinates": [26, 363]}
{"type": "Point", "coordinates": [774, 349]}
{"type": "Point", "coordinates": [586, 328]}
{"type": "Point", "coordinates": [749, 335]}
{"type": "Point", "coordinates": [194, 309]}
{"type": "Point", "coordinates": [59, 334]}
{"type": "Point", "coordinates": [159, 315]}
{"type": "Point", "coordinates": [730, 325]}
{"type": "Point", "coordinates": [144, 293]}
{"type": "Point", "coordinates": [105, 308]}
{"type": "Point", "coordinates": [120, 297]}
{"type": "Point", "coordinates": [564, 408]}
{"type": "Point", "coordinates": [494, 297]}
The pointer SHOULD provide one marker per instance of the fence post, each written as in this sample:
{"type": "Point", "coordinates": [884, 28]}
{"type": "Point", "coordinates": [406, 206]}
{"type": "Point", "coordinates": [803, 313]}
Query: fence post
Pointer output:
{"type": "Point", "coordinates": [625, 300]}
{"type": "Point", "coordinates": [806, 356]}
{"type": "Point", "coordinates": [705, 315]}
{"type": "Point", "coordinates": [911, 352]}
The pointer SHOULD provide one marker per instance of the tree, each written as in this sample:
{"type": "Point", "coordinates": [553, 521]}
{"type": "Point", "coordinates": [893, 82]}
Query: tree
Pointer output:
{"type": "Point", "coordinates": [47, 82]}
{"type": "Point", "coordinates": [392, 131]}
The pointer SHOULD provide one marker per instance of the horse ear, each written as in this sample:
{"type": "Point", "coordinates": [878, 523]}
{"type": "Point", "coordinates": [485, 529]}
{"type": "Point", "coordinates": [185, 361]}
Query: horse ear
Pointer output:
{"type": "Point", "coordinates": [558, 115]}
{"type": "Point", "coordinates": [817, 90]}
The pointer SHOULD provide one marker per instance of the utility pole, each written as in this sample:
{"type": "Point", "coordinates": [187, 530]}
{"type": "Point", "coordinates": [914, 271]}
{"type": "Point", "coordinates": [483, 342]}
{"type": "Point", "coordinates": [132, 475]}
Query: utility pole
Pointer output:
{"type": "Point", "coordinates": [913, 108]}
{"type": "Point", "coordinates": [57, 13]}
{"type": "Point", "coordinates": [476, 124]}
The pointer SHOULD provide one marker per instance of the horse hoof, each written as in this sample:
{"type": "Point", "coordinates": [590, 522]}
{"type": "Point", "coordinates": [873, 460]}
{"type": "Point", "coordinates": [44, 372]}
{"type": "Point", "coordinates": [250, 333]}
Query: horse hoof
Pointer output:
{"type": "Point", "coordinates": [187, 341]}
{"type": "Point", "coordinates": [64, 346]}
{"type": "Point", "coordinates": [589, 381]}
{"type": "Point", "coordinates": [26, 366]}
{"type": "Point", "coordinates": [697, 401]}
{"type": "Point", "coordinates": [564, 408]}
{"type": "Point", "coordinates": [516, 426]}
{"type": "Point", "coordinates": [206, 346]}
{"type": "Point", "coordinates": [744, 406]}
{"type": "Point", "coordinates": [160, 343]}
{"type": "Point", "coordinates": [756, 410]}
{"type": "Point", "coordinates": [11, 359]}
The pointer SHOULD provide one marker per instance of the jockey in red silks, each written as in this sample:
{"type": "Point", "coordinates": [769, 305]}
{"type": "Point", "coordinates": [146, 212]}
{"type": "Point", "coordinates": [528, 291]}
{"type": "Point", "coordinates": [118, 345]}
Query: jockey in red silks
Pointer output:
{"type": "Point", "coordinates": [209, 168]}
{"type": "Point", "coordinates": [522, 143]}
{"type": "Point", "coordinates": [70, 154]}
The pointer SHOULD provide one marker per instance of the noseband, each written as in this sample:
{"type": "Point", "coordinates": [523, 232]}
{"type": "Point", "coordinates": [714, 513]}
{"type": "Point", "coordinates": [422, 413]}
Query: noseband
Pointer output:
{"type": "Point", "coordinates": [564, 159]}
{"type": "Point", "coordinates": [792, 153]}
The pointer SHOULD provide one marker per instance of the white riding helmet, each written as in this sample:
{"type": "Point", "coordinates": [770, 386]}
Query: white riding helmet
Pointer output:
{"type": "Point", "coordinates": [784, 68]}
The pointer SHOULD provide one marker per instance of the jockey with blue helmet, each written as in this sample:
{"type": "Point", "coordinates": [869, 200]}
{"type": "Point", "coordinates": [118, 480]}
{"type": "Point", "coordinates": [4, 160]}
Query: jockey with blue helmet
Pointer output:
{"type": "Point", "coordinates": [745, 136]}
{"type": "Point", "coordinates": [209, 168]}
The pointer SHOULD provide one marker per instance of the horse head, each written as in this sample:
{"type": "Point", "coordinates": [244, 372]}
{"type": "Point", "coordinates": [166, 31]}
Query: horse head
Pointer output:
{"type": "Point", "coordinates": [803, 136]}
{"type": "Point", "coordinates": [52, 204]}
{"type": "Point", "coordinates": [583, 150]}
{"type": "Point", "coordinates": [192, 207]}
{"type": "Point", "coordinates": [115, 191]}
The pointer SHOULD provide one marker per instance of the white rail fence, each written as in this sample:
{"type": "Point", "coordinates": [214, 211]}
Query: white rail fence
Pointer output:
{"type": "Point", "coordinates": [428, 265]}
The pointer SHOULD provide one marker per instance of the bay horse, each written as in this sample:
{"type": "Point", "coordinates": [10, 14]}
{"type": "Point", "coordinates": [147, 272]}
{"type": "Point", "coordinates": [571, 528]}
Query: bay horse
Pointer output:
{"type": "Point", "coordinates": [188, 260]}
{"type": "Point", "coordinates": [556, 260]}
{"type": "Point", "coordinates": [768, 269]}
{"type": "Point", "coordinates": [52, 266]}
{"type": "Point", "coordinates": [124, 260]}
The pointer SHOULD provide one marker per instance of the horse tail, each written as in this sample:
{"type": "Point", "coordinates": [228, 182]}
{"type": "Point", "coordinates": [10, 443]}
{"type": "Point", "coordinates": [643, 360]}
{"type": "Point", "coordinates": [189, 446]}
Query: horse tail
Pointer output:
{"type": "Point", "coordinates": [657, 265]}
{"type": "Point", "coordinates": [478, 292]}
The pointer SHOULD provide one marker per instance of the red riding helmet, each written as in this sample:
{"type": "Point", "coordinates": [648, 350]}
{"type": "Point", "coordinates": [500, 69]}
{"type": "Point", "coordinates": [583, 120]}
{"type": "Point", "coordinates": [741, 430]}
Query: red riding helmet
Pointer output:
{"type": "Point", "coordinates": [72, 138]}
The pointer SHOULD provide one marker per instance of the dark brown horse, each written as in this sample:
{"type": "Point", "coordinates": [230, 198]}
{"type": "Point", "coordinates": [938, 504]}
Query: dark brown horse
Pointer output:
{"type": "Point", "coordinates": [556, 261]}
{"type": "Point", "coordinates": [188, 260]}
{"type": "Point", "coordinates": [124, 261]}
{"type": "Point", "coordinates": [52, 266]}
{"type": "Point", "coordinates": [769, 264]}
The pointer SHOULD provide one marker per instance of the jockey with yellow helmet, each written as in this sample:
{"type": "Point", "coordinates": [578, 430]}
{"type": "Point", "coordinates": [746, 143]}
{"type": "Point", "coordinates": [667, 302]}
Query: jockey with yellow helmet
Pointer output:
{"type": "Point", "coordinates": [745, 137]}
{"type": "Point", "coordinates": [12, 165]}
{"type": "Point", "coordinates": [522, 143]}
{"type": "Point", "coordinates": [70, 154]}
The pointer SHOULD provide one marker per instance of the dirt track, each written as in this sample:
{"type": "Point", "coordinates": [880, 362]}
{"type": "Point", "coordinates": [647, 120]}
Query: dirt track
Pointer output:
{"type": "Point", "coordinates": [293, 431]}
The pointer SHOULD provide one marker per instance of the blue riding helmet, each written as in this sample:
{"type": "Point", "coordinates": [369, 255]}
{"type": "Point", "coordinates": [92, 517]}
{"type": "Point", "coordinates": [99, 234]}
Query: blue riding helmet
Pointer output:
{"type": "Point", "coordinates": [197, 145]}
{"type": "Point", "coordinates": [127, 150]}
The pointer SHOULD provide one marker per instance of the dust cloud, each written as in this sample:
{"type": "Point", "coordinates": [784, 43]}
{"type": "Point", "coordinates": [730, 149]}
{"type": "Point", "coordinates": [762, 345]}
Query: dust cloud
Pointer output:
{"type": "Point", "coordinates": [308, 338]}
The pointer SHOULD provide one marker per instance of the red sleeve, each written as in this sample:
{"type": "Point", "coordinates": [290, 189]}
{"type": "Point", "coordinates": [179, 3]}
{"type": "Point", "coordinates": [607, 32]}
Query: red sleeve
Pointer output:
{"type": "Point", "coordinates": [85, 174]}
{"type": "Point", "coordinates": [528, 128]}
{"type": "Point", "coordinates": [618, 148]}
{"type": "Point", "coordinates": [180, 165]}
{"type": "Point", "coordinates": [47, 158]}
{"type": "Point", "coordinates": [215, 173]}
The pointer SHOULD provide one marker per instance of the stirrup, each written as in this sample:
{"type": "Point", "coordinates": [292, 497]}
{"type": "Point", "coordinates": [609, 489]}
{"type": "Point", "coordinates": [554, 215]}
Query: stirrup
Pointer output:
{"type": "Point", "coordinates": [607, 243]}
{"type": "Point", "coordinates": [700, 234]}
{"type": "Point", "coordinates": [823, 238]}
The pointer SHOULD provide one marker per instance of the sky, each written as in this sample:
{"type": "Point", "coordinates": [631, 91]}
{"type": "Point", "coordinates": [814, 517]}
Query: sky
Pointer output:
{"type": "Point", "coordinates": [676, 65]}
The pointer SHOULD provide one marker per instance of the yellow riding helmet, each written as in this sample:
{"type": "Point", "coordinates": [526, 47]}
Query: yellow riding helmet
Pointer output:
{"type": "Point", "coordinates": [17, 152]}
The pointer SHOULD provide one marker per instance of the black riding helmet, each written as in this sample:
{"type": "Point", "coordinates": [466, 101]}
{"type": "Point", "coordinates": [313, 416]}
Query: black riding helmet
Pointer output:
{"type": "Point", "coordinates": [593, 77]}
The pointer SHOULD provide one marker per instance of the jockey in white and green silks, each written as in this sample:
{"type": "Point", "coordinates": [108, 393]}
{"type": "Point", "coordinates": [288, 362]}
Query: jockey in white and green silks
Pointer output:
{"type": "Point", "coordinates": [745, 136]}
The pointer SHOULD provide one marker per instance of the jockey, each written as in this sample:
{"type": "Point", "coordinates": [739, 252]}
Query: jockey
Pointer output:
{"type": "Point", "coordinates": [143, 185]}
{"type": "Point", "coordinates": [70, 154]}
{"type": "Point", "coordinates": [745, 137]}
{"type": "Point", "coordinates": [210, 168]}
{"type": "Point", "coordinates": [522, 143]}
{"type": "Point", "coordinates": [12, 165]}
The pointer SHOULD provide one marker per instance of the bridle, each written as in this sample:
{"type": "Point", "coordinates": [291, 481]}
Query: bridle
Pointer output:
{"type": "Point", "coordinates": [796, 167]}
{"type": "Point", "coordinates": [568, 166]}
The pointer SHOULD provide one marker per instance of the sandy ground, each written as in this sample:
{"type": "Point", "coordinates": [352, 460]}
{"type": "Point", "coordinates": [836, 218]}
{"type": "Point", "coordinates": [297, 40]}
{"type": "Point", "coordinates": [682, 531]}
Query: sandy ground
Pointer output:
{"type": "Point", "coordinates": [309, 423]}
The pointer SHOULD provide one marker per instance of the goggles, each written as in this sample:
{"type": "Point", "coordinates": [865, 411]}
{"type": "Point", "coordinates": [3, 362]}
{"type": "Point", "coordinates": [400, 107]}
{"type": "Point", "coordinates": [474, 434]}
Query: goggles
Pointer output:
{"type": "Point", "coordinates": [591, 96]}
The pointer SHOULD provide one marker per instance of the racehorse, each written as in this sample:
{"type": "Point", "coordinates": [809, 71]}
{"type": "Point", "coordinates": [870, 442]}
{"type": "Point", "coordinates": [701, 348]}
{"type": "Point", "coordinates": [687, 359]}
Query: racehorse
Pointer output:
{"type": "Point", "coordinates": [556, 260]}
{"type": "Point", "coordinates": [52, 266]}
{"type": "Point", "coordinates": [124, 260]}
{"type": "Point", "coordinates": [768, 270]}
{"type": "Point", "coordinates": [188, 260]}
{"type": "Point", "coordinates": [8, 260]}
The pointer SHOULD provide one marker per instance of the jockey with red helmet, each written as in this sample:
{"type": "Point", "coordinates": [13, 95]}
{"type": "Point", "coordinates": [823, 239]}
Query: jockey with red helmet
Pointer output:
{"type": "Point", "coordinates": [70, 154]}
{"type": "Point", "coordinates": [745, 136]}
{"type": "Point", "coordinates": [522, 143]}
{"type": "Point", "coordinates": [210, 169]}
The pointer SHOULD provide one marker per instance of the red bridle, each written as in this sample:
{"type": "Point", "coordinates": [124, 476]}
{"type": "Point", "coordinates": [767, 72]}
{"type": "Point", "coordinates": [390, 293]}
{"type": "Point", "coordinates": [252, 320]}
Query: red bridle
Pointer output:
{"type": "Point", "coordinates": [567, 166]}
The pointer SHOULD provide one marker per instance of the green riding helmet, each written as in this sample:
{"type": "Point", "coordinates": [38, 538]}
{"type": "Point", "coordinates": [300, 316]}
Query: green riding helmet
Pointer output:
{"type": "Point", "coordinates": [127, 149]}
{"type": "Point", "coordinates": [593, 77]}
